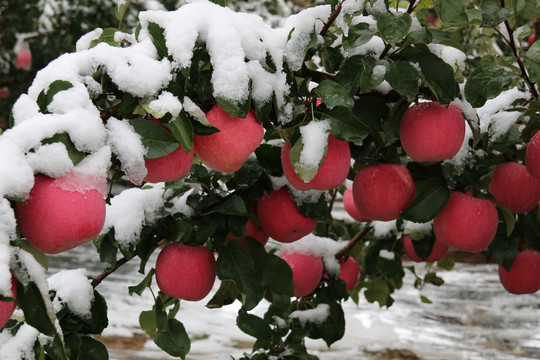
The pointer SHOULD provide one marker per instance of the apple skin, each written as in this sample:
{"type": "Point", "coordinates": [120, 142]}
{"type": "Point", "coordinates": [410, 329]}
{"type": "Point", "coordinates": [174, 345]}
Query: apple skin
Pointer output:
{"type": "Point", "coordinates": [236, 140]}
{"type": "Point", "coordinates": [514, 187]}
{"type": "Point", "coordinates": [307, 272]}
{"type": "Point", "coordinates": [438, 252]}
{"type": "Point", "coordinates": [280, 218]}
{"type": "Point", "coordinates": [54, 219]}
{"type": "Point", "coordinates": [7, 307]}
{"type": "Point", "coordinates": [23, 59]}
{"type": "Point", "coordinates": [251, 231]}
{"type": "Point", "coordinates": [350, 206]}
{"type": "Point", "coordinates": [185, 272]}
{"type": "Point", "coordinates": [349, 271]}
{"type": "Point", "coordinates": [171, 166]}
{"type": "Point", "coordinates": [532, 156]}
{"type": "Point", "coordinates": [332, 172]}
{"type": "Point", "coordinates": [524, 276]}
{"type": "Point", "coordinates": [466, 223]}
{"type": "Point", "coordinates": [382, 191]}
{"type": "Point", "coordinates": [431, 132]}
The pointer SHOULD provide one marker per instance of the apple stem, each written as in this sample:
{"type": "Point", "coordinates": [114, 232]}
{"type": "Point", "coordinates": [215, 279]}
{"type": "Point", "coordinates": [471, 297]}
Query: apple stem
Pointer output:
{"type": "Point", "coordinates": [356, 238]}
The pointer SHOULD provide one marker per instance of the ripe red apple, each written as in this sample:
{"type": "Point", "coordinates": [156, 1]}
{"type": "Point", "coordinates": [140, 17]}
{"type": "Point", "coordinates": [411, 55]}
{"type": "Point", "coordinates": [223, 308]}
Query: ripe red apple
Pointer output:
{"type": "Point", "coordinates": [431, 132]}
{"type": "Point", "coordinates": [4, 92]}
{"type": "Point", "coordinates": [332, 172]}
{"type": "Point", "coordinates": [251, 231]}
{"type": "Point", "coordinates": [55, 218]}
{"type": "Point", "coordinates": [280, 218]}
{"type": "Point", "coordinates": [524, 276]}
{"type": "Point", "coordinates": [349, 271]}
{"type": "Point", "coordinates": [171, 166]}
{"type": "Point", "coordinates": [23, 59]}
{"type": "Point", "coordinates": [383, 191]}
{"type": "Point", "coordinates": [185, 272]}
{"type": "Point", "coordinates": [7, 307]}
{"type": "Point", "coordinates": [438, 252]}
{"type": "Point", "coordinates": [532, 155]}
{"type": "Point", "coordinates": [466, 223]}
{"type": "Point", "coordinates": [236, 140]}
{"type": "Point", "coordinates": [350, 206]}
{"type": "Point", "coordinates": [307, 272]}
{"type": "Point", "coordinates": [514, 187]}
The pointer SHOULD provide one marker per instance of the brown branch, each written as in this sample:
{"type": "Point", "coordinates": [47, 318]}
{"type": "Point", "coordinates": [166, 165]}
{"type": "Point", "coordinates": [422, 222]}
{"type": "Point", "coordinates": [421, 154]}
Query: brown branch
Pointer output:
{"type": "Point", "coordinates": [331, 19]}
{"type": "Point", "coordinates": [98, 279]}
{"type": "Point", "coordinates": [359, 236]}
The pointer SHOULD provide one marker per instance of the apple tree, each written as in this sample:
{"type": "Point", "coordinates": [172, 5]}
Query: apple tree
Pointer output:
{"type": "Point", "coordinates": [200, 133]}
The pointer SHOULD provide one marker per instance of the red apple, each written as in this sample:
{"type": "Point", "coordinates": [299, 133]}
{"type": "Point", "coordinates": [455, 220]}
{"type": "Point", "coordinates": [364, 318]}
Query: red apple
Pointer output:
{"type": "Point", "coordinates": [514, 187]}
{"type": "Point", "coordinates": [349, 271]}
{"type": "Point", "coordinates": [350, 206]}
{"type": "Point", "coordinates": [185, 272]}
{"type": "Point", "coordinates": [431, 132]}
{"type": "Point", "coordinates": [7, 307]}
{"type": "Point", "coordinates": [251, 231]}
{"type": "Point", "coordinates": [383, 191]}
{"type": "Point", "coordinates": [171, 166]}
{"type": "Point", "coordinates": [236, 140]}
{"type": "Point", "coordinates": [332, 172]}
{"type": "Point", "coordinates": [280, 218]}
{"type": "Point", "coordinates": [56, 218]}
{"type": "Point", "coordinates": [438, 252]}
{"type": "Point", "coordinates": [23, 59]}
{"type": "Point", "coordinates": [466, 223]}
{"type": "Point", "coordinates": [524, 276]}
{"type": "Point", "coordinates": [307, 271]}
{"type": "Point", "coordinates": [532, 156]}
{"type": "Point", "coordinates": [4, 92]}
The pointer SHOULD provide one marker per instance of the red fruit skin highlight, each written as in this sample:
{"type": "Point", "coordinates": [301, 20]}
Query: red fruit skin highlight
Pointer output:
{"type": "Point", "coordinates": [524, 276]}
{"type": "Point", "coordinates": [431, 132]}
{"type": "Point", "coordinates": [307, 272]}
{"type": "Point", "coordinates": [185, 272]}
{"type": "Point", "coordinates": [350, 207]}
{"type": "Point", "coordinates": [236, 140]}
{"type": "Point", "coordinates": [332, 172]}
{"type": "Point", "coordinates": [514, 187]}
{"type": "Point", "coordinates": [23, 59]}
{"type": "Point", "coordinates": [466, 223]}
{"type": "Point", "coordinates": [251, 231]}
{"type": "Point", "coordinates": [349, 271]}
{"type": "Point", "coordinates": [438, 252]}
{"type": "Point", "coordinates": [532, 156]}
{"type": "Point", "coordinates": [54, 219]}
{"type": "Point", "coordinates": [7, 307]}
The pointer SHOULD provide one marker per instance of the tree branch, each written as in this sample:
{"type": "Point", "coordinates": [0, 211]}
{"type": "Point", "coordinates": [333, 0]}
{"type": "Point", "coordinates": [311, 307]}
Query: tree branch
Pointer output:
{"type": "Point", "coordinates": [98, 279]}
{"type": "Point", "coordinates": [331, 19]}
{"type": "Point", "coordinates": [359, 236]}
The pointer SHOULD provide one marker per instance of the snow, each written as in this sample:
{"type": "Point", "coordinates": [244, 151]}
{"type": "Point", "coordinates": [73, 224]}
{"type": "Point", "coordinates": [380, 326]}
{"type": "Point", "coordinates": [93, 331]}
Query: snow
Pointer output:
{"type": "Point", "coordinates": [17, 176]}
{"type": "Point", "coordinates": [19, 346]}
{"type": "Point", "coordinates": [377, 8]}
{"type": "Point", "coordinates": [315, 316]}
{"type": "Point", "coordinates": [195, 111]}
{"type": "Point", "coordinates": [165, 103]}
{"type": "Point", "coordinates": [7, 233]}
{"type": "Point", "coordinates": [496, 117]}
{"type": "Point", "coordinates": [450, 55]}
{"type": "Point", "coordinates": [384, 228]}
{"type": "Point", "coordinates": [73, 289]}
{"type": "Point", "coordinates": [315, 140]}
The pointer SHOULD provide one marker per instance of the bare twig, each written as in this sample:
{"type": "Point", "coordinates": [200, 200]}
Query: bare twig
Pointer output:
{"type": "Point", "coordinates": [331, 19]}
{"type": "Point", "coordinates": [98, 279]}
{"type": "Point", "coordinates": [359, 236]}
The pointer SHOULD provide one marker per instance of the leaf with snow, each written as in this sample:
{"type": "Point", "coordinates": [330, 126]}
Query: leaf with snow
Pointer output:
{"type": "Point", "coordinates": [486, 82]}
{"type": "Point", "coordinates": [393, 28]}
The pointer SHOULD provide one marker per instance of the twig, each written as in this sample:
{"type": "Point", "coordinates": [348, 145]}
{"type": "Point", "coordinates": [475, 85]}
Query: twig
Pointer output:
{"type": "Point", "coordinates": [98, 279]}
{"type": "Point", "coordinates": [359, 236]}
{"type": "Point", "coordinates": [331, 19]}
{"type": "Point", "coordinates": [410, 9]}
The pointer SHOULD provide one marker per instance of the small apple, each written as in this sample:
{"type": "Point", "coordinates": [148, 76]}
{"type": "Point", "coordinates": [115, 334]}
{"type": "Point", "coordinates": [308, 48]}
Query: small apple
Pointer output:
{"type": "Point", "coordinates": [236, 140]}
{"type": "Point", "coordinates": [438, 252]}
{"type": "Point", "coordinates": [307, 271]}
{"type": "Point", "coordinates": [514, 187]}
{"type": "Point", "coordinates": [4, 92]}
{"type": "Point", "coordinates": [431, 132]}
{"type": "Point", "coordinates": [332, 172]}
{"type": "Point", "coordinates": [171, 166]}
{"type": "Point", "coordinates": [55, 218]}
{"type": "Point", "coordinates": [350, 206]}
{"type": "Point", "coordinates": [7, 307]}
{"type": "Point", "coordinates": [383, 191]}
{"type": "Point", "coordinates": [349, 271]}
{"type": "Point", "coordinates": [185, 272]}
{"type": "Point", "coordinates": [251, 231]}
{"type": "Point", "coordinates": [23, 59]}
{"type": "Point", "coordinates": [532, 156]}
{"type": "Point", "coordinates": [280, 218]}
{"type": "Point", "coordinates": [466, 223]}
{"type": "Point", "coordinates": [524, 276]}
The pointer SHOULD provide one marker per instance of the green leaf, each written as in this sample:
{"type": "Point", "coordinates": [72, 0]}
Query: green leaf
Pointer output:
{"type": "Point", "coordinates": [509, 219]}
{"type": "Point", "coordinates": [55, 349]}
{"type": "Point", "coordinates": [393, 28]}
{"type": "Point", "coordinates": [73, 344]}
{"type": "Point", "coordinates": [233, 206]}
{"type": "Point", "coordinates": [532, 61]}
{"type": "Point", "coordinates": [425, 300]}
{"type": "Point", "coordinates": [345, 125]}
{"type": "Point", "coordinates": [173, 339]}
{"type": "Point", "coordinates": [332, 328]}
{"type": "Point", "coordinates": [158, 38]}
{"type": "Point", "coordinates": [40, 257]}
{"type": "Point", "coordinates": [486, 82]}
{"type": "Point", "coordinates": [524, 11]}
{"type": "Point", "coordinates": [107, 37]}
{"type": "Point", "coordinates": [121, 9]}
{"type": "Point", "coordinates": [356, 74]}
{"type": "Point", "coordinates": [403, 77]}
{"type": "Point", "coordinates": [269, 157]}
{"type": "Point", "coordinates": [432, 278]}
{"type": "Point", "coordinates": [146, 282]}
{"type": "Point", "coordinates": [452, 13]}
{"type": "Point", "coordinates": [359, 34]}
{"type": "Point", "coordinates": [429, 202]}
{"type": "Point", "coordinates": [75, 155]}
{"type": "Point", "coordinates": [377, 291]}
{"type": "Point", "coordinates": [226, 295]}
{"type": "Point", "coordinates": [447, 263]}
{"type": "Point", "coordinates": [278, 276]}
{"type": "Point", "coordinates": [253, 325]}
{"type": "Point", "coordinates": [493, 14]}
{"type": "Point", "coordinates": [424, 246]}
{"type": "Point", "coordinates": [304, 173]}
{"type": "Point", "coordinates": [147, 322]}
{"type": "Point", "coordinates": [31, 302]}
{"type": "Point", "coordinates": [333, 94]}
{"type": "Point", "coordinates": [235, 109]}
{"type": "Point", "coordinates": [93, 349]}
{"type": "Point", "coordinates": [46, 97]}
{"type": "Point", "coordinates": [182, 130]}
{"type": "Point", "coordinates": [154, 137]}
{"type": "Point", "coordinates": [219, 2]}
{"type": "Point", "coordinates": [128, 104]}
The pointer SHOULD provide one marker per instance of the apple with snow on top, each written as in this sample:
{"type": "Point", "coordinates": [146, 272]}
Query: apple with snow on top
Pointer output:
{"type": "Point", "coordinates": [60, 214]}
{"type": "Point", "coordinates": [524, 275]}
{"type": "Point", "coordinates": [466, 222]}
{"type": "Point", "coordinates": [280, 218]}
{"type": "Point", "coordinates": [382, 191]}
{"type": "Point", "coordinates": [228, 149]}
{"type": "Point", "coordinates": [438, 252]}
{"type": "Point", "coordinates": [171, 166]}
{"type": "Point", "coordinates": [185, 272]}
{"type": "Point", "coordinates": [252, 231]}
{"type": "Point", "coordinates": [23, 59]}
{"type": "Point", "coordinates": [431, 132]}
{"type": "Point", "coordinates": [532, 156]}
{"type": "Point", "coordinates": [349, 271]}
{"type": "Point", "coordinates": [332, 172]}
{"type": "Point", "coordinates": [514, 187]}
{"type": "Point", "coordinates": [7, 307]}
{"type": "Point", "coordinates": [350, 206]}
{"type": "Point", "coordinates": [307, 271]}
